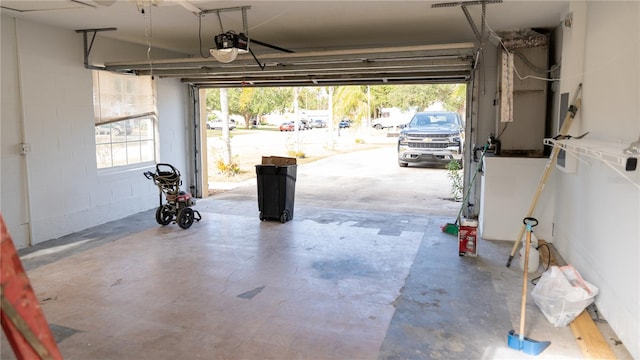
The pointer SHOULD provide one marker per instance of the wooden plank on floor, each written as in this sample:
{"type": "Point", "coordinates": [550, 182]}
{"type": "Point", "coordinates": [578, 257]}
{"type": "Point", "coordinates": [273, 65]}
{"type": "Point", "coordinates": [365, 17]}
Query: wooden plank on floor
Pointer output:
{"type": "Point", "coordinates": [590, 339]}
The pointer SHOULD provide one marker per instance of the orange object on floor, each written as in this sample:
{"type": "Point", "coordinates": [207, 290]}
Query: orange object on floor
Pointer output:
{"type": "Point", "coordinates": [22, 320]}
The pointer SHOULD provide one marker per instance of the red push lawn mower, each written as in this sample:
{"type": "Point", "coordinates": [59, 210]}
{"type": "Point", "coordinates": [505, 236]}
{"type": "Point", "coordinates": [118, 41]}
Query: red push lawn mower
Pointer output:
{"type": "Point", "coordinates": [178, 205]}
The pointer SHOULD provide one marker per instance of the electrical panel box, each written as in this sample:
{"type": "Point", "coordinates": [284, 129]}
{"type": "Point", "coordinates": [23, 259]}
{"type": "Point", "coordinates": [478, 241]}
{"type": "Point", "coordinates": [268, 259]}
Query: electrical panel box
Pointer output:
{"type": "Point", "coordinates": [523, 85]}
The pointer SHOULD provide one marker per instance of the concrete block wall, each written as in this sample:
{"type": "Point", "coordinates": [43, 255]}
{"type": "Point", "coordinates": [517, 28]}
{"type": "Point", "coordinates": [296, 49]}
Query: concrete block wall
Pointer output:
{"type": "Point", "coordinates": [47, 103]}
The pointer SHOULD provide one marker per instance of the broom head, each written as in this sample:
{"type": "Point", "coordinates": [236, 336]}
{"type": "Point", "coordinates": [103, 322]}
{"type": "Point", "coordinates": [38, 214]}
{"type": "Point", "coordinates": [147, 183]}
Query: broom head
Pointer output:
{"type": "Point", "coordinates": [450, 228]}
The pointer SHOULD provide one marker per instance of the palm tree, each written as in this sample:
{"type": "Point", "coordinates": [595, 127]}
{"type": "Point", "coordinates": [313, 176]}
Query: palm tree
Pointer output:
{"type": "Point", "coordinates": [351, 102]}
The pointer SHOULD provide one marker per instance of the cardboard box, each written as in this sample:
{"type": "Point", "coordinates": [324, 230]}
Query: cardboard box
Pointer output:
{"type": "Point", "coordinates": [278, 160]}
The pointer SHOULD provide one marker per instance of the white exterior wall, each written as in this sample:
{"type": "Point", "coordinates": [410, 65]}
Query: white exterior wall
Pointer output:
{"type": "Point", "coordinates": [597, 212]}
{"type": "Point", "coordinates": [47, 102]}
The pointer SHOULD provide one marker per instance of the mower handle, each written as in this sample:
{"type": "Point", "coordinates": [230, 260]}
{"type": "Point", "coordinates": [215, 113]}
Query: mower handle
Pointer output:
{"type": "Point", "coordinates": [148, 175]}
{"type": "Point", "coordinates": [160, 165]}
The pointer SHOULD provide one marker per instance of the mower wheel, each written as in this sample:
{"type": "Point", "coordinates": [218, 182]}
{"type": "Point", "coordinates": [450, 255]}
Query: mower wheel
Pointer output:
{"type": "Point", "coordinates": [185, 218]}
{"type": "Point", "coordinates": [164, 215]}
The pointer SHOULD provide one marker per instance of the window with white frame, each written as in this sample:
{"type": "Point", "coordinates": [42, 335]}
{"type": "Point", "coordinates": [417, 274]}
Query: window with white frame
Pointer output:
{"type": "Point", "coordinates": [125, 118]}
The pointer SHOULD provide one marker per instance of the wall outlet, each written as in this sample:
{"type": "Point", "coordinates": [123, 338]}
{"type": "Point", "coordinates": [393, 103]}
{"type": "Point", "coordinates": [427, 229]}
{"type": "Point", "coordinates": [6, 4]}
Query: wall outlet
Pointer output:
{"type": "Point", "coordinates": [24, 148]}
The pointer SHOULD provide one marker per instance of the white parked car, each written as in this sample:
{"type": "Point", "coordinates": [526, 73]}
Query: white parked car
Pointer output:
{"type": "Point", "coordinates": [390, 118]}
{"type": "Point", "coordinates": [217, 124]}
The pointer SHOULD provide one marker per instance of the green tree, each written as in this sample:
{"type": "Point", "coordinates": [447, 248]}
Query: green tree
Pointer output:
{"type": "Point", "coordinates": [244, 104]}
{"type": "Point", "coordinates": [250, 102]}
{"type": "Point", "coordinates": [260, 101]}
{"type": "Point", "coordinates": [406, 97]}
{"type": "Point", "coordinates": [419, 96]}
{"type": "Point", "coordinates": [457, 99]}
{"type": "Point", "coordinates": [350, 102]}
{"type": "Point", "coordinates": [277, 99]}
{"type": "Point", "coordinates": [313, 98]}
{"type": "Point", "coordinates": [379, 98]}
{"type": "Point", "coordinates": [213, 99]}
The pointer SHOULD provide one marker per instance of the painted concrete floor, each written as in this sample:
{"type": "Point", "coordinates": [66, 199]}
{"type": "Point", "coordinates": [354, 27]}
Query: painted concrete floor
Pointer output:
{"type": "Point", "coordinates": [331, 284]}
{"type": "Point", "coordinates": [352, 276]}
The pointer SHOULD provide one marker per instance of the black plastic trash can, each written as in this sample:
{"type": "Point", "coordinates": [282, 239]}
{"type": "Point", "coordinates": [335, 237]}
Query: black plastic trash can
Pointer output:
{"type": "Point", "coordinates": [276, 191]}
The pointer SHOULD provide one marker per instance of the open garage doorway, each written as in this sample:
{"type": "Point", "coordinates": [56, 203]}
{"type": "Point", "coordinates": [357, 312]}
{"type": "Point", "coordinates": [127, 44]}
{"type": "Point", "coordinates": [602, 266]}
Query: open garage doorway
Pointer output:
{"type": "Point", "coordinates": [348, 156]}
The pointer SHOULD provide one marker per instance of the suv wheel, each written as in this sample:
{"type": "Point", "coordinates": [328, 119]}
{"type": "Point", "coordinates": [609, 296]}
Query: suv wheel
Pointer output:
{"type": "Point", "coordinates": [402, 164]}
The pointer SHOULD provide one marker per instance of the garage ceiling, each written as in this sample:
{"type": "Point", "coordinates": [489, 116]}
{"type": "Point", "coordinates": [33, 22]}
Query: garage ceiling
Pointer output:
{"type": "Point", "coordinates": [334, 42]}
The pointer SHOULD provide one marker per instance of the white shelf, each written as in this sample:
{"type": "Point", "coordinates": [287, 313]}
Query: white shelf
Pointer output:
{"type": "Point", "coordinates": [610, 153]}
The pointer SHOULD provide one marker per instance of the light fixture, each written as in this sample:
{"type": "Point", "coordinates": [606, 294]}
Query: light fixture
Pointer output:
{"type": "Point", "coordinates": [229, 45]}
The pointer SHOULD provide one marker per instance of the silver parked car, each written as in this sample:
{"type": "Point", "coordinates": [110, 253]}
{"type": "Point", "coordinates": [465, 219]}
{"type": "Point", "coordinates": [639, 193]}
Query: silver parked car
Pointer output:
{"type": "Point", "coordinates": [318, 123]}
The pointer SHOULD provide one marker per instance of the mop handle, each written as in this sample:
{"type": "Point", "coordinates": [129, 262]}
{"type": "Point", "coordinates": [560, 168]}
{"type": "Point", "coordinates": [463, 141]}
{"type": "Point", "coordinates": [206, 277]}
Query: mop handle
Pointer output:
{"type": "Point", "coordinates": [564, 130]}
{"type": "Point", "coordinates": [530, 223]}
{"type": "Point", "coordinates": [473, 180]}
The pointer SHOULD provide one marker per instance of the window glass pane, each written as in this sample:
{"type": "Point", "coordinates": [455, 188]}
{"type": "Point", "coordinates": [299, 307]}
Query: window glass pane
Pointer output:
{"type": "Point", "coordinates": [103, 155]}
{"type": "Point", "coordinates": [119, 154]}
{"type": "Point", "coordinates": [147, 151]}
{"type": "Point", "coordinates": [125, 142]}
{"type": "Point", "coordinates": [134, 124]}
{"type": "Point", "coordinates": [103, 134]}
{"type": "Point", "coordinates": [133, 152]}
{"type": "Point", "coordinates": [146, 129]}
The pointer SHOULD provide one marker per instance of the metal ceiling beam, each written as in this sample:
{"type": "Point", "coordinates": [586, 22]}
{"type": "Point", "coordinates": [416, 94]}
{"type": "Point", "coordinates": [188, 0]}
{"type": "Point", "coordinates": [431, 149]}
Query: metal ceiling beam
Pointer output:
{"type": "Point", "coordinates": [245, 59]}
{"type": "Point", "coordinates": [357, 82]}
{"type": "Point", "coordinates": [463, 5]}
{"type": "Point", "coordinates": [322, 80]}
{"type": "Point", "coordinates": [472, 23]}
{"type": "Point", "coordinates": [280, 63]}
{"type": "Point", "coordinates": [364, 66]}
{"type": "Point", "coordinates": [336, 76]}
{"type": "Point", "coordinates": [412, 64]}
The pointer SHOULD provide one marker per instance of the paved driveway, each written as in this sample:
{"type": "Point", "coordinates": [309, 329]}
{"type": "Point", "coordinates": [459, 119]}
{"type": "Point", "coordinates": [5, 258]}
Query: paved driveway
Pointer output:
{"type": "Point", "coordinates": [368, 180]}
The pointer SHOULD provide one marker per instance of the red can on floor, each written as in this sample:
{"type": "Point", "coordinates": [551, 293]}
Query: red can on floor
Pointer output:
{"type": "Point", "coordinates": [468, 238]}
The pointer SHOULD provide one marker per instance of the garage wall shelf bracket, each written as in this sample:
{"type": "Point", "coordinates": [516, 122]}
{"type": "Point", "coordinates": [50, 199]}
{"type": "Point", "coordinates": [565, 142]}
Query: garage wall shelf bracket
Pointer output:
{"type": "Point", "coordinates": [87, 47]}
{"type": "Point", "coordinates": [612, 154]}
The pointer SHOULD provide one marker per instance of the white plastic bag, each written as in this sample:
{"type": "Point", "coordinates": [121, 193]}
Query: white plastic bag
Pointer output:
{"type": "Point", "coordinates": [562, 294]}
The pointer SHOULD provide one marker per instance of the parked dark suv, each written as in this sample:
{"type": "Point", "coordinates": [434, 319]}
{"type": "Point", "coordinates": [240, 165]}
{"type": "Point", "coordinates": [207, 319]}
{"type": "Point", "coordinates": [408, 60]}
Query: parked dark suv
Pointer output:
{"type": "Point", "coordinates": [431, 137]}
